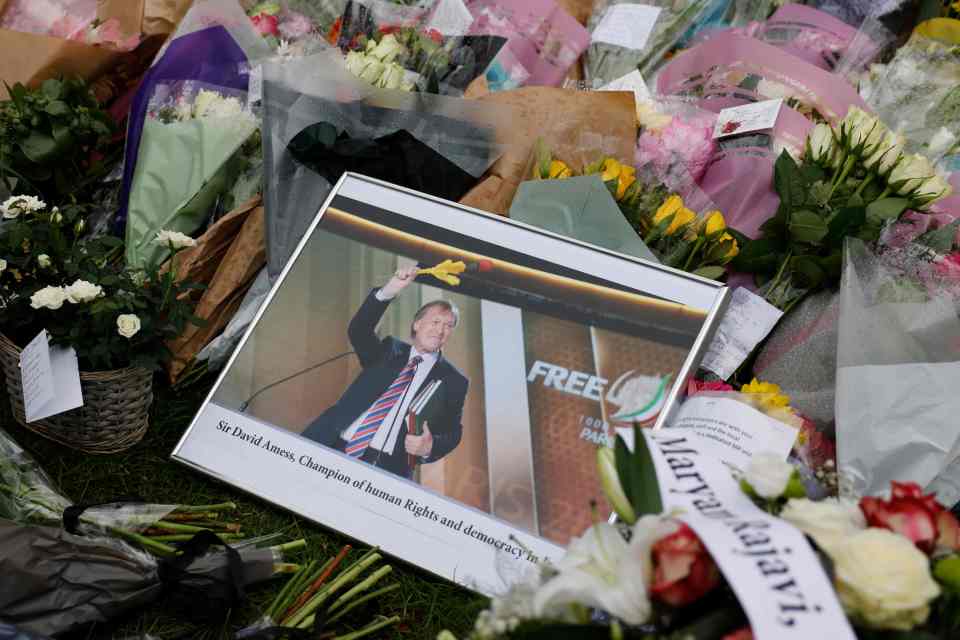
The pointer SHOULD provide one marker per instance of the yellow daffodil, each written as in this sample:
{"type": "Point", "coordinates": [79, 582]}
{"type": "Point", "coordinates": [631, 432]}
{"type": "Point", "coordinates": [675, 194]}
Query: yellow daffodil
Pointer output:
{"type": "Point", "coordinates": [559, 170]}
{"type": "Point", "coordinates": [684, 217]}
{"type": "Point", "coordinates": [628, 176]}
{"type": "Point", "coordinates": [611, 169]}
{"type": "Point", "coordinates": [715, 223]}
{"type": "Point", "coordinates": [767, 394]}
{"type": "Point", "coordinates": [669, 207]}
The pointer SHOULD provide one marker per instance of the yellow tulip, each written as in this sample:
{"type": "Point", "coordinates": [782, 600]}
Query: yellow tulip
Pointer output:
{"type": "Point", "coordinates": [611, 169]}
{"type": "Point", "coordinates": [628, 175]}
{"type": "Point", "coordinates": [715, 223]}
{"type": "Point", "coordinates": [559, 170]}
{"type": "Point", "coordinates": [684, 217]}
{"type": "Point", "coordinates": [669, 207]}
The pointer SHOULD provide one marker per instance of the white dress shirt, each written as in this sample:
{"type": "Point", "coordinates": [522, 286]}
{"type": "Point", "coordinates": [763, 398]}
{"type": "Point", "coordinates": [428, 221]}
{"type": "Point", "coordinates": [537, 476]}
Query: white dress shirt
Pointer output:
{"type": "Point", "coordinates": [386, 437]}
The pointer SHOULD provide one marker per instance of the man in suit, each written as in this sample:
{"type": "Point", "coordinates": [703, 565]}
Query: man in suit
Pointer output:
{"type": "Point", "coordinates": [368, 421]}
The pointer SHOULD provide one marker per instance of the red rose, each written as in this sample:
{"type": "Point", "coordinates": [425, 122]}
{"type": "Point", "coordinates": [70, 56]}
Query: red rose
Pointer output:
{"type": "Point", "coordinates": [435, 35]}
{"type": "Point", "coordinates": [388, 29]}
{"type": "Point", "coordinates": [915, 516]}
{"type": "Point", "coordinates": [740, 634]}
{"type": "Point", "coordinates": [683, 569]}
{"type": "Point", "coordinates": [266, 25]}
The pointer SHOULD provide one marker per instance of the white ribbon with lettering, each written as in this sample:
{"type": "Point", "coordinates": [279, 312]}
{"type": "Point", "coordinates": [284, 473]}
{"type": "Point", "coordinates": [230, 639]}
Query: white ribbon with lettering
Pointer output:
{"type": "Point", "coordinates": [768, 563]}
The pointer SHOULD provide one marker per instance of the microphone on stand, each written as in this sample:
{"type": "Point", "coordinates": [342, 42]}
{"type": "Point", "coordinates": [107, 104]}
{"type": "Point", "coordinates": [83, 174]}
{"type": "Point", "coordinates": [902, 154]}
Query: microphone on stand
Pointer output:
{"type": "Point", "coordinates": [243, 407]}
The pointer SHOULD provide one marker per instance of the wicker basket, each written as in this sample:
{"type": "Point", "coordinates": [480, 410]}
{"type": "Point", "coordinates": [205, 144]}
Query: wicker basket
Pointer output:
{"type": "Point", "coordinates": [115, 410]}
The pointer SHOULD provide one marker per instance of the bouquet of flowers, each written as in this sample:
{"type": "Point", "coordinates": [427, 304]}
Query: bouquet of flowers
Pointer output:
{"type": "Point", "coordinates": [853, 179]}
{"type": "Point", "coordinates": [53, 140]}
{"type": "Point", "coordinates": [677, 236]}
{"type": "Point", "coordinates": [67, 19]}
{"type": "Point", "coordinates": [78, 289]}
{"type": "Point", "coordinates": [188, 157]}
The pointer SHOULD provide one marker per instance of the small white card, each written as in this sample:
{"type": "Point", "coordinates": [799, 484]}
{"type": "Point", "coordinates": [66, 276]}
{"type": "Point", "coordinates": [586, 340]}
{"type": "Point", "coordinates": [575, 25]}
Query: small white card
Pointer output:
{"type": "Point", "coordinates": [733, 431]}
{"type": "Point", "coordinates": [627, 25]}
{"type": "Point", "coordinates": [633, 81]}
{"type": "Point", "coordinates": [451, 18]}
{"type": "Point", "coordinates": [748, 320]}
{"type": "Point", "coordinates": [50, 377]}
{"type": "Point", "coordinates": [755, 116]}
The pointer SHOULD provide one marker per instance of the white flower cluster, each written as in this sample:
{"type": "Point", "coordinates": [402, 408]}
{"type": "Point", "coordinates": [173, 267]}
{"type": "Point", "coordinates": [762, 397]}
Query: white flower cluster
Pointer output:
{"type": "Point", "coordinates": [51, 297]}
{"type": "Point", "coordinates": [208, 104]}
{"type": "Point", "coordinates": [175, 239]}
{"type": "Point", "coordinates": [863, 138]}
{"type": "Point", "coordinates": [18, 205]}
{"type": "Point", "coordinates": [377, 64]}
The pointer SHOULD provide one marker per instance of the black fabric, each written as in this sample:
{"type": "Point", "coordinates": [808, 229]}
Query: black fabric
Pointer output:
{"type": "Point", "coordinates": [203, 597]}
{"type": "Point", "coordinates": [398, 157]}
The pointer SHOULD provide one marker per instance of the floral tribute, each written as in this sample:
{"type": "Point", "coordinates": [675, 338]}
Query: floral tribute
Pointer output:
{"type": "Point", "coordinates": [53, 277]}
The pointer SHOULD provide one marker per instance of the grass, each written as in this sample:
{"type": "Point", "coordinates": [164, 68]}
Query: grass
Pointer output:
{"type": "Point", "coordinates": [426, 604]}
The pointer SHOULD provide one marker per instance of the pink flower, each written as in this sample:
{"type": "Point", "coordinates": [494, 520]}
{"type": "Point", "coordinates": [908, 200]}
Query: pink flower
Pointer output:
{"type": "Point", "coordinates": [266, 25]}
{"type": "Point", "coordinates": [913, 515]}
{"type": "Point", "coordinates": [295, 25]}
{"type": "Point", "coordinates": [687, 141]}
{"type": "Point", "coordinates": [698, 386]}
{"type": "Point", "coordinates": [69, 28]}
{"type": "Point", "coordinates": [949, 266]}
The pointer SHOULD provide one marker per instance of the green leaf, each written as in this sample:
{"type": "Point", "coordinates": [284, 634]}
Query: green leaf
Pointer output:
{"type": "Point", "coordinates": [642, 475]}
{"type": "Point", "coordinates": [845, 222]}
{"type": "Point", "coordinates": [38, 147]}
{"type": "Point", "coordinates": [810, 273]}
{"type": "Point", "coordinates": [941, 240]}
{"type": "Point", "coordinates": [886, 209]}
{"type": "Point", "coordinates": [52, 88]}
{"type": "Point", "coordinates": [757, 256]}
{"type": "Point", "coordinates": [789, 181]}
{"type": "Point", "coordinates": [712, 272]}
{"type": "Point", "coordinates": [57, 108]}
{"type": "Point", "coordinates": [832, 265]}
{"type": "Point", "coordinates": [807, 226]}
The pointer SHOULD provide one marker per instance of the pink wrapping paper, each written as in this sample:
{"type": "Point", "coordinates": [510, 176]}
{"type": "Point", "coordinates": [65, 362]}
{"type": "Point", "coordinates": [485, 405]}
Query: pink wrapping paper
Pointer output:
{"type": "Point", "coordinates": [733, 69]}
{"type": "Point", "coordinates": [813, 36]}
{"type": "Point", "coordinates": [542, 38]}
{"type": "Point", "coordinates": [739, 179]}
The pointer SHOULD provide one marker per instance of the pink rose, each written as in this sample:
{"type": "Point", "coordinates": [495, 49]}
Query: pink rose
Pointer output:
{"type": "Point", "coordinates": [915, 516]}
{"type": "Point", "coordinates": [295, 25]}
{"type": "Point", "coordinates": [684, 572]}
{"type": "Point", "coordinates": [266, 25]}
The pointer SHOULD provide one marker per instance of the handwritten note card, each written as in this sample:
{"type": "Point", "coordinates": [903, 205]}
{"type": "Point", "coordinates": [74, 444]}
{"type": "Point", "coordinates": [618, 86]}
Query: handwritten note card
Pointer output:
{"type": "Point", "coordinates": [50, 377]}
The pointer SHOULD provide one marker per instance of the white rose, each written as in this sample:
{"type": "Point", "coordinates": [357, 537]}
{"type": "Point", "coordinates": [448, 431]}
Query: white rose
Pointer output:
{"type": "Point", "coordinates": [821, 143]}
{"type": "Point", "coordinates": [886, 155]}
{"type": "Point", "coordinates": [392, 77]}
{"type": "Point", "coordinates": [128, 325]}
{"type": "Point", "coordinates": [355, 62]}
{"type": "Point", "coordinates": [933, 189]}
{"type": "Point", "coordinates": [910, 173]}
{"type": "Point", "coordinates": [768, 474]}
{"type": "Point", "coordinates": [43, 260]}
{"type": "Point", "coordinates": [854, 127]}
{"type": "Point", "coordinates": [55, 216]}
{"type": "Point", "coordinates": [175, 239]}
{"type": "Point", "coordinates": [3, 264]}
{"type": "Point", "coordinates": [387, 49]}
{"type": "Point", "coordinates": [203, 102]}
{"type": "Point", "coordinates": [15, 206]}
{"type": "Point", "coordinates": [83, 291]}
{"type": "Point", "coordinates": [883, 580]}
{"type": "Point", "coordinates": [828, 521]}
{"type": "Point", "coordinates": [372, 70]}
{"type": "Point", "coordinates": [48, 298]}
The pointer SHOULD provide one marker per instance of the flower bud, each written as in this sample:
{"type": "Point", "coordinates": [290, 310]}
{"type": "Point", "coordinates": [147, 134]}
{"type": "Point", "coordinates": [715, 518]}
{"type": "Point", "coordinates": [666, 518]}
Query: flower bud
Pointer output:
{"type": "Point", "coordinates": [715, 223]}
{"type": "Point", "coordinates": [911, 172]}
{"type": "Point", "coordinates": [559, 170]}
{"type": "Point", "coordinates": [669, 207]}
{"type": "Point", "coordinates": [79, 226]}
{"type": "Point", "coordinates": [821, 143]}
{"type": "Point", "coordinates": [610, 480]}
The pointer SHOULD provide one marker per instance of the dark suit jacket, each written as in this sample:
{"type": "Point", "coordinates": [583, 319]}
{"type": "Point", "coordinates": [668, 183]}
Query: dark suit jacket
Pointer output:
{"type": "Point", "coordinates": [382, 360]}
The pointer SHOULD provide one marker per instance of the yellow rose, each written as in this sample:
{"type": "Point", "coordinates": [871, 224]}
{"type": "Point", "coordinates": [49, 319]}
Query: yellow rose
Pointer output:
{"type": "Point", "coordinates": [734, 250]}
{"type": "Point", "coordinates": [684, 217]}
{"type": "Point", "coordinates": [883, 580]}
{"type": "Point", "coordinates": [559, 170]}
{"type": "Point", "coordinates": [669, 207]}
{"type": "Point", "coordinates": [628, 176]}
{"type": "Point", "coordinates": [611, 169]}
{"type": "Point", "coordinates": [715, 223]}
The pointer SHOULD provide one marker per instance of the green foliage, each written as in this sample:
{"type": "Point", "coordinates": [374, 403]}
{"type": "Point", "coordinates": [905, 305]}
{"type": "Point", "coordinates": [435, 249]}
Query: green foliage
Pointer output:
{"type": "Point", "coordinates": [47, 249]}
{"type": "Point", "coordinates": [48, 137]}
{"type": "Point", "coordinates": [638, 476]}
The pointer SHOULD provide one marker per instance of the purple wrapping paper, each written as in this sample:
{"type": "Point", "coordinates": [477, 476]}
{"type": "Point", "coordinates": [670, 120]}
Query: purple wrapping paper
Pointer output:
{"type": "Point", "coordinates": [211, 56]}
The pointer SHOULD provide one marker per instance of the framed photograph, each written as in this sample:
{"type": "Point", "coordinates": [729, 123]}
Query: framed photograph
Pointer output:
{"type": "Point", "coordinates": [435, 380]}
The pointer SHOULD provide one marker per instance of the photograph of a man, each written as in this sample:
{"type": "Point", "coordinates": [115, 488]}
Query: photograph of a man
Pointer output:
{"type": "Point", "coordinates": [369, 422]}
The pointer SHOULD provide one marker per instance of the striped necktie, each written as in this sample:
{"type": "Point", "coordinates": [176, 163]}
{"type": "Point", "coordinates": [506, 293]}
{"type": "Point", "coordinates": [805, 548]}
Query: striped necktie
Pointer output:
{"type": "Point", "coordinates": [380, 409]}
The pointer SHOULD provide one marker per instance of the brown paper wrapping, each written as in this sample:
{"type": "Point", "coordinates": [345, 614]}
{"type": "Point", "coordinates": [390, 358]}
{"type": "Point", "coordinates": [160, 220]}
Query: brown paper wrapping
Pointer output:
{"type": "Point", "coordinates": [226, 258]}
{"type": "Point", "coordinates": [568, 121]}
{"type": "Point", "coordinates": [31, 58]}
{"type": "Point", "coordinates": [579, 9]}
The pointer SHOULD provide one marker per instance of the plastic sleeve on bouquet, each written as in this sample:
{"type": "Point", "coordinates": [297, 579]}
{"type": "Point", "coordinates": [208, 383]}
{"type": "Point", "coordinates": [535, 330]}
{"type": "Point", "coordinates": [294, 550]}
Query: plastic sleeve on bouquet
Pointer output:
{"type": "Point", "coordinates": [811, 35]}
{"type": "Point", "coordinates": [742, 69]}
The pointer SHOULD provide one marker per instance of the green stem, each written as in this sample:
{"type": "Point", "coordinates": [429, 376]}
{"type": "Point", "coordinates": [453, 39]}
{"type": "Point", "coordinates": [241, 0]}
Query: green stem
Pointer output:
{"type": "Point", "coordinates": [274, 609]}
{"type": "Point", "coordinates": [222, 506]}
{"type": "Point", "coordinates": [177, 527]}
{"type": "Point", "coordinates": [325, 592]}
{"type": "Point", "coordinates": [371, 580]}
{"type": "Point", "coordinates": [359, 601]}
{"type": "Point", "coordinates": [369, 629]}
{"type": "Point", "coordinates": [290, 546]}
{"type": "Point", "coordinates": [847, 167]}
{"type": "Point", "coordinates": [696, 247]}
{"type": "Point", "coordinates": [183, 537]}
{"type": "Point", "coordinates": [157, 547]}
{"type": "Point", "coordinates": [863, 185]}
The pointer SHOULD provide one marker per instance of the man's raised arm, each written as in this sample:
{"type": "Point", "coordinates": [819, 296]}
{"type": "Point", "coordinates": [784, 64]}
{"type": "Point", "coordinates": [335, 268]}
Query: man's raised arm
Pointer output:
{"type": "Point", "coordinates": [362, 329]}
